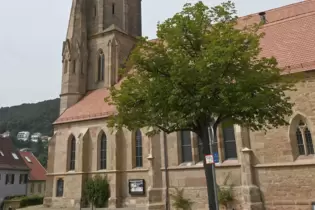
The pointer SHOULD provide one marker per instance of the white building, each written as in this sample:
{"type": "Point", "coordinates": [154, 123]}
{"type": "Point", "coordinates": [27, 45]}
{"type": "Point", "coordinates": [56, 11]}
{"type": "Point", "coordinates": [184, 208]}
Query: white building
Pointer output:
{"type": "Point", "coordinates": [23, 136]}
{"type": "Point", "coordinates": [35, 137]}
{"type": "Point", "coordinates": [6, 134]}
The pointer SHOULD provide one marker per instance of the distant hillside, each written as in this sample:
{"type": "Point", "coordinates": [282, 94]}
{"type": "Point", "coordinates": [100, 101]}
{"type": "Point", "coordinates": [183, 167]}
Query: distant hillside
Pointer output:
{"type": "Point", "coordinates": [37, 117]}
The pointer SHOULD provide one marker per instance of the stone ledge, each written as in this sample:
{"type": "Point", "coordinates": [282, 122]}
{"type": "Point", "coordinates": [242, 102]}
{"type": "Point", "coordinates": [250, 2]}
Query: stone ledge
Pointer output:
{"type": "Point", "coordinates": [199, 166]}
{"type": "Point", "coordinates": [289, 203]}
{"type": "Point", "coordinates": [306, 162]}
{"type": "Point", "coordinates": [98, 172]}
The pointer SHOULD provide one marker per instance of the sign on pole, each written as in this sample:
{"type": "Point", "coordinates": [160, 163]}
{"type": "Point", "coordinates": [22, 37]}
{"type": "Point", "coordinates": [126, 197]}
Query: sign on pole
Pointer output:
{"type": "Point", "coordinates": [209, 159]}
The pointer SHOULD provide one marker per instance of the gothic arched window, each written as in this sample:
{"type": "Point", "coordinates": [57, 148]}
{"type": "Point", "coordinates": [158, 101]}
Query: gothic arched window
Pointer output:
{"type": "Point", "coordinates": [229, 141]}
{"type": "Point", "coordinates": [304, 139]}
{"type": "Point", "coordinates": [103, 151]}
{"type": "Point", "coordinates": [138, 148]}
{"type": "Point", "coordinates": [186, 146]}
{"type": "Point", "coordinates": [101, 66]}
{"type": "Point", "coordinates": [72, 153]}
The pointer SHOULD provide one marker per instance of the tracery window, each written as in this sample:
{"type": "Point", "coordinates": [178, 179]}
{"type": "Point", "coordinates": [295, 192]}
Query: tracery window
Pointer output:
{"type": "Point", "coordinates": [138, 149]}
{"type": "Point", "coordinates": [103, 151]}
{"type": "Point", "coordinates": [186, 148]}
{"type": "Point", "coordinates": [304, 139]}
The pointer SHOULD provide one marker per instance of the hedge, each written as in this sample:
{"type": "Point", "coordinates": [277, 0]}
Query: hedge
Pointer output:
{"type": "Point", "coordinates": [31, 201]}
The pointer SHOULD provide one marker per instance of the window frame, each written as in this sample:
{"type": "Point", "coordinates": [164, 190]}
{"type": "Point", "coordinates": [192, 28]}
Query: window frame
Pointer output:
{"type": "Point", "coordinates": [184, 146]}
{"type": "Point", "coordinates": [304, 140]}
{"type": "Point", "coordinates": [101, 66]}
{"type": "Point", "coordinates": [72, 153]}
{"type": "Point", "coordinates": [103, 152]}
{"type": "Point", "coordinates": [138, 146]}
{"type": "Point", "coordinates": [60, 194]}
{"type": "Point", "coordinates": [226, 141]}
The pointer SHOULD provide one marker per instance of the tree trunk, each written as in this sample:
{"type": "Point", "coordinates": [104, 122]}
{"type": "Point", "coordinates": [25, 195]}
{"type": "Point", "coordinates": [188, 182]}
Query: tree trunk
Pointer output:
{"type": "Point", "coordinates": [211, 186]}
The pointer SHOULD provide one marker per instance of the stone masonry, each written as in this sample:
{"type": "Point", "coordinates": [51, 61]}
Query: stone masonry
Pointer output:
{"type": "Point", "coordinates": [269, 172]}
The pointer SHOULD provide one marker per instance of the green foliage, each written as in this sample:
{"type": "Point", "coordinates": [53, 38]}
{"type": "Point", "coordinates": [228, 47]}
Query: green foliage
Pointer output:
{"type": "Point", "coordinates": [37, 117]}
{"type": "Point", "coordinates": [203, 69]}
{"type": "Point", "coordinates": [225, 193]}
{"type": "Point", "coordinates": [97, 191]}
{"type": "Point", "coordinates": [180, 202]}
{"type": "Point", "coordinates": [31, 201]}
{"type": "Point", "coordinates": [34, 118]}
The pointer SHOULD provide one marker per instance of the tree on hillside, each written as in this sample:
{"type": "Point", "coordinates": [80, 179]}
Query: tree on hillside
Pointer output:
{"type": "Point", "coordinates": [203, 71]}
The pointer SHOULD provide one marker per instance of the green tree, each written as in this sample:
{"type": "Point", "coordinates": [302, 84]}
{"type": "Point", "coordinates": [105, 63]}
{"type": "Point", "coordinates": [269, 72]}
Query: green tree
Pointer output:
{"type": "Point", "coordinates": [202, 71]}
{"type": "Point", "coordinates": [97, 191]}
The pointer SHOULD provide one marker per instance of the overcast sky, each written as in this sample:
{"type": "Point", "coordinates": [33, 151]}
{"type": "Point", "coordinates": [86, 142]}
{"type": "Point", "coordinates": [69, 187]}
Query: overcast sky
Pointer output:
{"type": "Point", "coordinates": [32, 32]}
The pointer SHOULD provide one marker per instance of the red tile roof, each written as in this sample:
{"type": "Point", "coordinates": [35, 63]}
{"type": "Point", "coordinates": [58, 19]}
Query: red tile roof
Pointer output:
{"type": "Point", "coordinates": [38, 172]}
{"type": "Point", "coordinates": [290, 37]}
{"type": "Point", "coordinates": [7, 153]}
{"type": "Point", "coordinates": [91, 106]}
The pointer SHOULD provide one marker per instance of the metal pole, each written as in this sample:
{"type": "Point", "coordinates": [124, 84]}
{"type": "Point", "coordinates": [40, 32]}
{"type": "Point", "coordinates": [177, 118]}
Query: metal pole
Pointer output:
{"type": "Point", "coordinates": [167, 202]}
{"type": "Point", "coordinates": [211, 140]}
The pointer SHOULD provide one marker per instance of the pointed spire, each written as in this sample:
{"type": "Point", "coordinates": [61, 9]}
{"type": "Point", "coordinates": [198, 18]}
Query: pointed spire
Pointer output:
{"type": "Point", "coordinates": [77, 18]}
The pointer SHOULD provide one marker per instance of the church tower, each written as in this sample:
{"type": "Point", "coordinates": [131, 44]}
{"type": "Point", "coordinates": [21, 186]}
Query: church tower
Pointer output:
{"type": "Point", "coordinates": [100, 37]}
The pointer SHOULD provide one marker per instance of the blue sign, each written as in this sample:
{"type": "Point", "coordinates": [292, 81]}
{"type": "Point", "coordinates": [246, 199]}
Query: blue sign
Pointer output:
{"type": "Point", "coordinates": [216, 157]}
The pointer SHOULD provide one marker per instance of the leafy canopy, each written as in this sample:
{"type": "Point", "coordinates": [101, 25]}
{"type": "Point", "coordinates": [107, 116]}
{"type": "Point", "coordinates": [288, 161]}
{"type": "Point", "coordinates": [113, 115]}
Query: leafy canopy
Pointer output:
{"type": "Point", "coordinates": [201, 69]}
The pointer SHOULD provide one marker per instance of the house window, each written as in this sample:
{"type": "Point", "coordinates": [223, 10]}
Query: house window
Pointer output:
{"type": "Point", "coordinates": [21, 179]}
{"type": "Point", "coordinates": [25, 178]}
{"type": "Point", "coordinates": [138, 145]}
{"type": "Point", "coordinates": [229, 141]}
{"type": "Point", "coordinates": [12, 178]}
{"type": "Point", "coordinates": [7, 179]}
{"type": "Point", "coordinates": [101, 66]}
{"type": "Point", "coordinates": [186, 146]}
{"type": "Point", "coordinates": [103, 151]}
{"type": "Point", "coordinates": [59, 188]}
{"type": "Point", "coordinates": [304, 139]}
{"type": "Point", "coordinates": [39, 187]}
{"type": "Point", "coordinates": [72, 154]}
{"type": "Point", "coordinates": [15, 156]}
{"type": "Point", "coordinates": [32, 188]}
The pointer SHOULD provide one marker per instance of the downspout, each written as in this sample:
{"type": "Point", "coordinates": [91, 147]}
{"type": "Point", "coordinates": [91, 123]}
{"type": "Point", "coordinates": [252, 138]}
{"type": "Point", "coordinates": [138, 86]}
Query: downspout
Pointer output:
{"type": "Point", "coordinates": [167, 202]}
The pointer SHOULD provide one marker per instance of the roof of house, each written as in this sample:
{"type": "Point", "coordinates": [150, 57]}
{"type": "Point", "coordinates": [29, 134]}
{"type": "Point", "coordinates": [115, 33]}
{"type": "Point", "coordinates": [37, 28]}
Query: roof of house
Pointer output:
{"type": "Point", "coordinates": [38, 172]}
{"type": "Point", "coordinates": [289, 36]}
{"type": "Point", "coordinates": [10, 157]}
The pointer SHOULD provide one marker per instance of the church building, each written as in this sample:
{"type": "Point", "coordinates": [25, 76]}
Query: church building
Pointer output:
{"type": "Point", "coordinates": [272, 171]}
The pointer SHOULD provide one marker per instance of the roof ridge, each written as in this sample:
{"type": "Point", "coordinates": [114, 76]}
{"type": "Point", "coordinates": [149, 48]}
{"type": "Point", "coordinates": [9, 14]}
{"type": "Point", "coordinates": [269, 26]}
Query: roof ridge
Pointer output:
{"type": "Point", "coordinates": [304, 7]}
{"type": "Point", "coordinates": [278, 8]}
{"type": "Point", "coordinates": [288, 19]}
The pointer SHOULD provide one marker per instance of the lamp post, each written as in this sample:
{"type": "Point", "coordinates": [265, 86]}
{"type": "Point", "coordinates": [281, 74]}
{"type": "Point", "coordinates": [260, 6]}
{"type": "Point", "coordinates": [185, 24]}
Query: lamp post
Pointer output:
{"type": "Point", "coordinates": [167, 202]}
{"type": "Point", "coordinates": [211, 140]}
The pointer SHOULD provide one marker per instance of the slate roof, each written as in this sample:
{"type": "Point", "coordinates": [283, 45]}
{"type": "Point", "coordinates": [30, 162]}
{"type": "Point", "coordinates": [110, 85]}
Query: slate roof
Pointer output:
{"type": "Point", "coordinates": [38, 172]}
{"type": "Point", "coordinates": [290, 37]}
{"type": "Point", "coordinates": [10, 157]}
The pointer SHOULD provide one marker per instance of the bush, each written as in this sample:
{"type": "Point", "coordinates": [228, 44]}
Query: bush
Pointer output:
{"type": "Point", "coordinates": [225, 193]}
{"type": "Point", "coordinates": [181, 203]}
{"type": "Point", "coordinates": [31, 201]}
{"type": "Point", "coordinates": [97, 191]}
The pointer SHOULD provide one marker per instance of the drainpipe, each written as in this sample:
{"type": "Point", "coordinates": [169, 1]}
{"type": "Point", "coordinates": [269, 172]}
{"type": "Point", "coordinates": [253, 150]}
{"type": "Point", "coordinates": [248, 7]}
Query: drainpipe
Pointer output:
{"type": "Point", "coordinates": [167, 202]}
